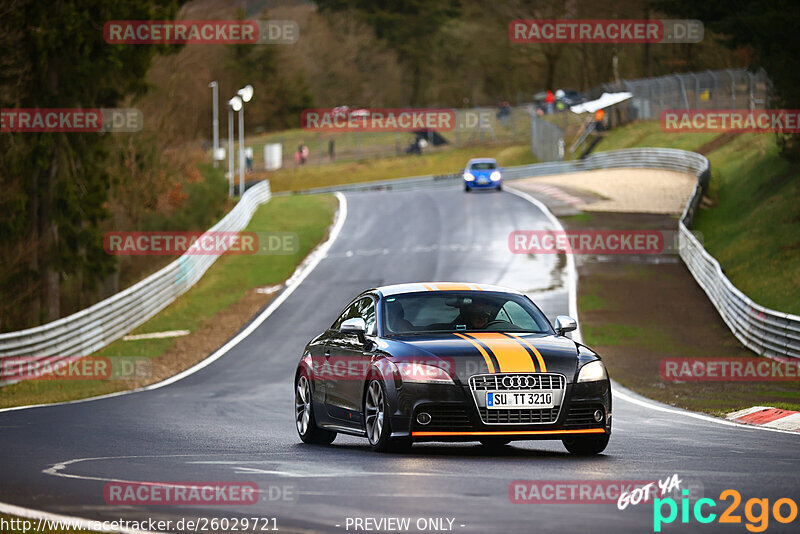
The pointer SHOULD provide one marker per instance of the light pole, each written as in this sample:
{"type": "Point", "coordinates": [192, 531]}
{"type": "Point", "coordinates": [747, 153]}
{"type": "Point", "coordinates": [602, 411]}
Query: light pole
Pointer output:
{"type": "Point", "coordinates": [244, 94]}
{"type": "Point", "coordinates": [234, 104]}
{"type": "Point", "coordinates": [215, 120]}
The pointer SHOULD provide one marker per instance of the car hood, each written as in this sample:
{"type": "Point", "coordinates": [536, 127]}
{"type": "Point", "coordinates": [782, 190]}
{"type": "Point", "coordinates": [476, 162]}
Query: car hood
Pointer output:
{"type": "Point", "coordinates": [467, 354]}
{"type": "Point", "coordinates": [484, 173]}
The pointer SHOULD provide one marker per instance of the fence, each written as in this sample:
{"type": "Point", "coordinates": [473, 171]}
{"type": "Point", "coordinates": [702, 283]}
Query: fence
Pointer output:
{"type": "Point", "coordinates": [93, 328]}
{"type": "Point", "coordinates": [719, 89]}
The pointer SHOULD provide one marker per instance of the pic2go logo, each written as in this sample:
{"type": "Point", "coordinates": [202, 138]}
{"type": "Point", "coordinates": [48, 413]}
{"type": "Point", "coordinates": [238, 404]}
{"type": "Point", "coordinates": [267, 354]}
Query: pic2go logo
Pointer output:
{"type": "Point", "coordinates": [757, 521]}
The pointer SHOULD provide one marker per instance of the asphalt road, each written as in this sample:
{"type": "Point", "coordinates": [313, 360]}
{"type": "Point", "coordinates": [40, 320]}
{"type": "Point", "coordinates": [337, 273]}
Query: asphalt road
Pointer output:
{"type": "Point", "coordinates": [233, 420]}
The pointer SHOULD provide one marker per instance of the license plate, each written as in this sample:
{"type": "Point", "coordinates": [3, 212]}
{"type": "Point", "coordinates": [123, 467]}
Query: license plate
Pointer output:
{"type": "Point", "coordinates": [483, 181]}
{"type": "Point", "coordinates": [519, 399]}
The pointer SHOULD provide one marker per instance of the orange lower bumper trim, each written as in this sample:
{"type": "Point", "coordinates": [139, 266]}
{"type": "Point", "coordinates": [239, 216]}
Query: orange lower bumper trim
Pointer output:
{"type": "Point", "coordinates": [512, 433]}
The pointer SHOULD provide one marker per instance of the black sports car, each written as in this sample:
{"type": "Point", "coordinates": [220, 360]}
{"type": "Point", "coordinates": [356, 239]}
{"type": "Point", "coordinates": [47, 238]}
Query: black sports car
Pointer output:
{"type": "Point", "coordinates": [451, 362]}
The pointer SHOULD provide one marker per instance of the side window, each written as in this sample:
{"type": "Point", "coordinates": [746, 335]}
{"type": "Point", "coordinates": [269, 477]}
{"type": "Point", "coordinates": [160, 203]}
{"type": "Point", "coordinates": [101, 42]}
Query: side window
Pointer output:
{"type": "Point", "coordinates": [364, 308]}
{"type": "Point", "coordinates": [349, 312]}
{"type": "Point", "coordinates": [368, 314]}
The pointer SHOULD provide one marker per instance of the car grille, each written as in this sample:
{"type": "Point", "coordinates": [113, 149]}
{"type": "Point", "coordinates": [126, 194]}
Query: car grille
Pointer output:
{"type": "Point", "coordinates": [581, 416]}
{"type": "Point", "coordinates": [495, 382]}
{"type": "Point", "coordinates": [520, 381]}
{"type": "Point", "coordinates": [521, 417]}
{"type": "Point", "coordinates": [444, 418]}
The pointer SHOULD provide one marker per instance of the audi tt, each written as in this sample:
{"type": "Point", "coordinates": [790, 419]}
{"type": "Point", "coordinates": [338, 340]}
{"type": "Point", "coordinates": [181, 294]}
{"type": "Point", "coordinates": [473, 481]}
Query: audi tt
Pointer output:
{"type": "Point", "coordinates": [451, 362]}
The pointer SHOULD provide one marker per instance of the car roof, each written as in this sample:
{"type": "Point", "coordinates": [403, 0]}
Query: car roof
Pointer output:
{"type": "Point", "coordinates": [481, 160]}
{"type": "Point", "coordinates": [419, 287]}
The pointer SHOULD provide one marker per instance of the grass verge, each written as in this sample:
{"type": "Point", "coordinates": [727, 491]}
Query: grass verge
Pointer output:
{"type": "Point", "coordinates": [213, 310]}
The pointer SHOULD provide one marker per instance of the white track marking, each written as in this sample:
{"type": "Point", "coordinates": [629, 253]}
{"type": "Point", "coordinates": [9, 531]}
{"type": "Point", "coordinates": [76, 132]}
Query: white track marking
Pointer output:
{"type": "Point", "coordinates": [299, 274]}
{"type": "Point", "coordinates": [156, 335]}
{"type": "Point", "coordinates": [572, 273]}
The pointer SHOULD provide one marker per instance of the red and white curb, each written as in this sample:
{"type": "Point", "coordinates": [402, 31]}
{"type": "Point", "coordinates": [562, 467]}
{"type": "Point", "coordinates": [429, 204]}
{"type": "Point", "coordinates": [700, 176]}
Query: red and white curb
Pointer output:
{"type": "Point", "coordinates": [768, 417]}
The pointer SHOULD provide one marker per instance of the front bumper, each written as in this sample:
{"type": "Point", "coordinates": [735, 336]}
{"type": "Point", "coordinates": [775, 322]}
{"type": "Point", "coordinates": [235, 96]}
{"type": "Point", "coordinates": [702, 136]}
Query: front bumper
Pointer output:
{"type": "Point", "coordinates": [488, 185]}
{"type": "Point", "coordinates": [455, 416]}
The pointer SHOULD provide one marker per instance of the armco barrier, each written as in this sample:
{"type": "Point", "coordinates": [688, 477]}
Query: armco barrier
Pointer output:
{"type": "Point", "coordinates": [767, 332]}
{"type": "Point", "coordinates": [93, 328]}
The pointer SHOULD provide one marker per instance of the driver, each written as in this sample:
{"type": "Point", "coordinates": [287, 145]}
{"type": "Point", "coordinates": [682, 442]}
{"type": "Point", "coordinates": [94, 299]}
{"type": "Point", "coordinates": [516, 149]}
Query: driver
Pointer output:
{"type": "Point", "coordinates": [477, 314]}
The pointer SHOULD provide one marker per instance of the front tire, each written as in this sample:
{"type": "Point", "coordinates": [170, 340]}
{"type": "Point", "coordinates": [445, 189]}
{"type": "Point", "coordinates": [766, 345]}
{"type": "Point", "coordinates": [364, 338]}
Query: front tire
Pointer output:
{"type": "Point", "coordinates": [377, 423]}
{"type": "Point", "coordinates": [304, 415]}
{"type": "Point", "coordinates": [586, 446]}
{"type": "Point", "coordinates": [466, 188]}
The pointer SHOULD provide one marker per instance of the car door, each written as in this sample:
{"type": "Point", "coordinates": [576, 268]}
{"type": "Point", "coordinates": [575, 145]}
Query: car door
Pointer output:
{"type": "Point", "coordinates": [348, 363]}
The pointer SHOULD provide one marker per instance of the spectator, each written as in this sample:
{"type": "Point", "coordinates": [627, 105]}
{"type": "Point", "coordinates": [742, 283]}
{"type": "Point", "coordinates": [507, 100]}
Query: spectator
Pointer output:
{"type": "Point", "coordinates": [301, 155]}
{"type": "Point", "coordinates": [549, 100]}
{"type": "Point", "coordinates": [599, 115]}
{"type": "Point", "coordinates": [248, 157]}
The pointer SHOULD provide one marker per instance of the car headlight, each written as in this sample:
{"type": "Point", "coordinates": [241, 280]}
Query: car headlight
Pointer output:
{"type": "Point", "coordinates": [423, 374]}
{"type": "Point", "coordinates": [469, 177]}
{"type": "Point", "coordinates": [592, 372]}
{"type": "Point", "coordinates": [496, 176]}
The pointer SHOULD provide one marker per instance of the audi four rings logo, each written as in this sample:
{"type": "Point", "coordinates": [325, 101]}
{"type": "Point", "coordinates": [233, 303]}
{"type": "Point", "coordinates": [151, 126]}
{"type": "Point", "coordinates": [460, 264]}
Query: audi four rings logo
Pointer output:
{"type": "Point", "coordinates": [519, 382]}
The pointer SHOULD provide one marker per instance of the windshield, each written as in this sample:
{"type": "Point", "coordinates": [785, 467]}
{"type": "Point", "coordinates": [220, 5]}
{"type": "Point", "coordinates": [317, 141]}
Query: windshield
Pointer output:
{"type": "Point", "coordinates": [483, 166]}
{"type": "Point", "coordinates": [456, 311]}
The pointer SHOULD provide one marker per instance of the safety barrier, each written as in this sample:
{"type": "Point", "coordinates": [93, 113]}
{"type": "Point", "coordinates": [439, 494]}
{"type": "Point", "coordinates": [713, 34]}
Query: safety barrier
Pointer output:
{"type": "Point", "coordinates": [93, 328]}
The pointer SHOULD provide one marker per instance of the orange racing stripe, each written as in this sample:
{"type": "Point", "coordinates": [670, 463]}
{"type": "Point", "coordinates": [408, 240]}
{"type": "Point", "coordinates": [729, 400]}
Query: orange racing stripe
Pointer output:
{"type": "Point", "coordinates": [538, 354]}
{"type": "Point", "coordinates": [510, 353]}
{"type": "Point", "coordinates": [485, 355]}
{"type": "Point", "coordinates": [452, 286]}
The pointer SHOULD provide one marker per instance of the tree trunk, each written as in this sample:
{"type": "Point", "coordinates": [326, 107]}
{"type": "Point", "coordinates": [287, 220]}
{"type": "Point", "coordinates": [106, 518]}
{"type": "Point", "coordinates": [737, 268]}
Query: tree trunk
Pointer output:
{"type": "Point", "coordinates": [33, 308]}
{"type": "Point", "coordinates": [48, 231]}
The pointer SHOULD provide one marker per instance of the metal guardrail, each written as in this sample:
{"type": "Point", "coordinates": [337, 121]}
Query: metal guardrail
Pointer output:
{"type": "Point", "coordinates": [93, 328]}
{"type": "Point", "coordinates": [767, 332]}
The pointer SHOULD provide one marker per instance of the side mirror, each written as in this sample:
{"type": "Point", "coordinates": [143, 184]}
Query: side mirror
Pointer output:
{"type": "Point", "coordinates": [355, 326]}
{"type": "Point", "coordinates": [564, 324]}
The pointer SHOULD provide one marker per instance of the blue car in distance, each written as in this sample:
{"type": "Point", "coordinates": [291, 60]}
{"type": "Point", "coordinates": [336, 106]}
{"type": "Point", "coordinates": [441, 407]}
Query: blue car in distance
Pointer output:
{"type": "Point", "coordinates": [482, 173]}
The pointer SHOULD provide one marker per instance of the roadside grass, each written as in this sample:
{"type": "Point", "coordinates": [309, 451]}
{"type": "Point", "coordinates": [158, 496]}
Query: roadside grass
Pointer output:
{"type": "Point", "coordinates": [649, 134]}
{"type": "Point", "coordinates": [753, 228]}
{"type": "Point", "coordinates": [367, 170]}
{"type": "Point", "coordinates": [591, 301]}
{"type": "Point", "coordinates": [228, 281]}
